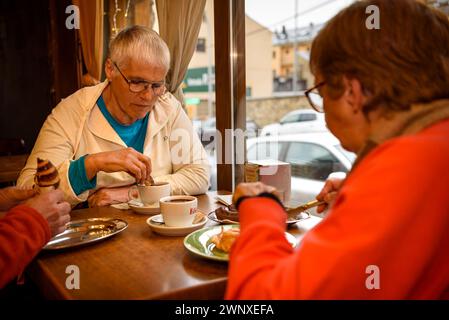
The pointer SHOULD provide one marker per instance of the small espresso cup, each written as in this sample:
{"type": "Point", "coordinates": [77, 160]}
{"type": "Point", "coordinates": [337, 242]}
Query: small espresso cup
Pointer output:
{"type": "Point", "coordinates": [150, 195]}
{"type": "Point", "coordinates": [178, 211]}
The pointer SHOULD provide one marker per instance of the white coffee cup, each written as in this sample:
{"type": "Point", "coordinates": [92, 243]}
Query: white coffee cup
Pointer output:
{"type": "Point", "coordinates": [178, 211]}
{"type": "Point", "coordinates": [150, 195]}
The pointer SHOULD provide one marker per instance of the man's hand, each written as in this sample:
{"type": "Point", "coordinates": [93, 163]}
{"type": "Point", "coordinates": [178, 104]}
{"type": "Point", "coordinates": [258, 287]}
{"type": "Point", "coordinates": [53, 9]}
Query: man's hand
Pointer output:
{"type": "Point", "coordinates": [13, 196]}
{"type": "Point", "coordinates": [107, 196]}
{"type": "Point", "coordinates": [128, 160]}
{"type": "Point", "coordinates": [329, 193]}
{"type": "Point", "coordinates": [251, 190]}
{"type": "Point", "coordinates": [53, 208]}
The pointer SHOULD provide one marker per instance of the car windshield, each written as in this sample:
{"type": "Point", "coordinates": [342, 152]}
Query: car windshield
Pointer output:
{"type": "Point", "coordinates": [349, 155]}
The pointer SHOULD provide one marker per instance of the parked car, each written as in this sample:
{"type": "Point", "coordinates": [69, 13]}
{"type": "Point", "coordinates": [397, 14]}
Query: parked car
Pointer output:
{"type": "Point", "coordinates": [208, 131]}
{"type": "Point", "coordinates": [312, 156]}
{"type": "Point", "coordinates": [298, 121]}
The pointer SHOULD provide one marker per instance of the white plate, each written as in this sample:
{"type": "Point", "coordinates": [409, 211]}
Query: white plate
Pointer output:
{"type": "Point", "coordinates": [155, 224]}
{"type": "Point", "coordinates": [199, 242]}
{"type": "Point", "coordinates": [140, 208]}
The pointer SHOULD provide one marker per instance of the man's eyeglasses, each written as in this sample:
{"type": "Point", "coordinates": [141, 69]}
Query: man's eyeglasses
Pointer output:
{"type": "Point", "coordinates": [314, 97]}
{"type": "Point", "coordinates": [137, 86]}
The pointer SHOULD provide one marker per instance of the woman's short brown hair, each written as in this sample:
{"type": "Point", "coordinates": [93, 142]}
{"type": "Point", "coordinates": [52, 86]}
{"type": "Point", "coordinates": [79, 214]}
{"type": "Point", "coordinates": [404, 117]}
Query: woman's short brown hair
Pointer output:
{"type": "Point", "coordinates": [406, 61]}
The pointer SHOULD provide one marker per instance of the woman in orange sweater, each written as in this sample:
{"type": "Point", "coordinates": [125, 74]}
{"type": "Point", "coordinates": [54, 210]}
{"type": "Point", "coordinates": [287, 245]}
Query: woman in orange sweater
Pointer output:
{"type": "Point", "coordinates": [386, 97]}
{"type": "Point", "coordinates": [30, 221]}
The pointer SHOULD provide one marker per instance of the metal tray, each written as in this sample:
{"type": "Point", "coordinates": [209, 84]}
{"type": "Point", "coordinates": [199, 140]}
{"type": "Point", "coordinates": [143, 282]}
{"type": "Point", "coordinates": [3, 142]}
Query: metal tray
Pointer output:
{"type": "Point", "coordinates": [82, 232]}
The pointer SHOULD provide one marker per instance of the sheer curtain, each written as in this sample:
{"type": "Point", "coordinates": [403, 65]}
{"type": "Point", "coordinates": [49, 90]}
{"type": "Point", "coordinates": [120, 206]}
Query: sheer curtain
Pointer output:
{"type": "Point", "coordinates": [179, 26]}
{"type": "Point", "coordinates": [91, 35]}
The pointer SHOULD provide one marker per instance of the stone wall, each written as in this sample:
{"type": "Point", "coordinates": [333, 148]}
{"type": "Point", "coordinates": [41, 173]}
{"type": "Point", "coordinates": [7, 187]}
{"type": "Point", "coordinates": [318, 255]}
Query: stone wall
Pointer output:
{"type": "Point", "coordinates": [270, 110]}
{"type": "Point", "coordinates": [262, 111]}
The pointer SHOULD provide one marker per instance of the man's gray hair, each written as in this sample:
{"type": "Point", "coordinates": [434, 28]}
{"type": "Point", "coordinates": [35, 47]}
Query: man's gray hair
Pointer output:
{"type": "Point", "coordinates": [142, 44]}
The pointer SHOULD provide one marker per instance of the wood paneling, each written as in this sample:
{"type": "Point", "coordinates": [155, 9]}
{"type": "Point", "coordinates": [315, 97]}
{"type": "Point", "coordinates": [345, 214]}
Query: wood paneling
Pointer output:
{"type": "Point", "coordinates": [64, 53]}
{"type": "Point", "coordinates": [37, 65]}
{"type": "Point", "coordinates": [24, 68]}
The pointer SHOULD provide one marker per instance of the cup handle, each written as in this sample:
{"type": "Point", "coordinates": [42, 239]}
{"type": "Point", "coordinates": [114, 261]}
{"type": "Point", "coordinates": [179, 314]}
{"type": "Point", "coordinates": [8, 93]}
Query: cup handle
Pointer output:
{"type": "Point", "coordinates": [132, 194]}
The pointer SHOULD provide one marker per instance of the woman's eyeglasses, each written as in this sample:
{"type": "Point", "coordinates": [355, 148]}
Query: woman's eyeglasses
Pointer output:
{"type": "Point", "coordinates": [137, 86]}
{"type": "Point", "coordinates": [314, 97]}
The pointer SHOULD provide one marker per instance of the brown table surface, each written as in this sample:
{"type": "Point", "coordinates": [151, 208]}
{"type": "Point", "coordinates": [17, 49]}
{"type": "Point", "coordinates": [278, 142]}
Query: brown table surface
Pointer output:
{"type": "Point", "coordinates": [137, 263]}
{"type": "Point", "coordinates": [10, 167]}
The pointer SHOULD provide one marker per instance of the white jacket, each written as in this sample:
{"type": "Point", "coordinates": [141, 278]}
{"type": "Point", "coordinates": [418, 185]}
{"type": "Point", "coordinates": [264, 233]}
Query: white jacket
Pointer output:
{"type": "Point", "coordinates": [77, 127]}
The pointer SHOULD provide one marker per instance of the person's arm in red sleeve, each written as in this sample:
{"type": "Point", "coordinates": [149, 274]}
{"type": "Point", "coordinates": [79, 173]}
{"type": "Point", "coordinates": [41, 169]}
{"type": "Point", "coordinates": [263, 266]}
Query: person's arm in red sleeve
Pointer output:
{"type": "Point", "coordinates": [330, 262]}
{"type": "Point", "coordinates": [257, 255]}
{"type": "Point", "coordinates": [392, 222]}
{"type": "Point", "coordinates": [23, 233]}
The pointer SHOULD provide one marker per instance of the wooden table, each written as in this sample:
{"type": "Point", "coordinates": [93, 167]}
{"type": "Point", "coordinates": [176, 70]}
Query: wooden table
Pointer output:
{"type": "Point", "coordinates": [136, 264]}
{"type": "Point", "coordinates": [10, 167]}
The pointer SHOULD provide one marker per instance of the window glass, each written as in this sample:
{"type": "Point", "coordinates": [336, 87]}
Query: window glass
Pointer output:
{"type": "Point", "coordinates": [201, 45]}
{"type": "Point", "coordinates": [264, 151]}
{"type": "Point", "coordinates": [290, 118]}
{"type": "Point", "coordinates": [312, 161]}
{"type": "Point", "coordinates": [307, 117]}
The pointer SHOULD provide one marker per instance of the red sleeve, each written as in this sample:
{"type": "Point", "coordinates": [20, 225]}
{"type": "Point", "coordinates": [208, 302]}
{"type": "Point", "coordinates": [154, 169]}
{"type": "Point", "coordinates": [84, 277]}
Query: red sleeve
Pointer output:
{"type": "Point", "coordinates": [23, 233]}
{"type": "Point", "coordinates": [391, 213]}
{"type": "Point", "coordinates": [259, 253]}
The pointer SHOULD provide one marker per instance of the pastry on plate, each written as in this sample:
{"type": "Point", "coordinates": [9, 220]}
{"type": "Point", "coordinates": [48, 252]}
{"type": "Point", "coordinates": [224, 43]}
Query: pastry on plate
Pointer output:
{"type": "Point", "coordinates": [225, 239]}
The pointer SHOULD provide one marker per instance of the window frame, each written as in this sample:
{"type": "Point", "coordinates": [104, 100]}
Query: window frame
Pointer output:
{"type": "Point", "coordinates": [230, 74]}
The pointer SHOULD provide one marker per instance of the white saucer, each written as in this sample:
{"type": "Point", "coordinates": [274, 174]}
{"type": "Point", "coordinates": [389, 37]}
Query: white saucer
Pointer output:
{"type": "Point", "coordinates": [140, 208]}
{"type": "Point", "coordinates": [172, 231]}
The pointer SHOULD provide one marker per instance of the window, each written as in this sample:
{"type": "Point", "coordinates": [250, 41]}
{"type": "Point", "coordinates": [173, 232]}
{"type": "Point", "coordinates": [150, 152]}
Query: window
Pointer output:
{"type": "Point", "coordinates": [311, 161]}
{"type": "Point", "coordinates": [201, 45]}
{"type": "Point", "coordinates": [290, 118]}
{"type": "Point", "coordinates": [264, 151]}
{"type": "Point", "coordinates": [307, 117]}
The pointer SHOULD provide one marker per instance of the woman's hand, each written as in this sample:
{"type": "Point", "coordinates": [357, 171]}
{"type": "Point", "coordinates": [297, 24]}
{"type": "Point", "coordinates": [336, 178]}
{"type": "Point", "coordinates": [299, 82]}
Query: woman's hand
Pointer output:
{"type": "Point", "coordinates": [128, 160]}
{"type": "Point", "coordinates": [251, 190]}
{"type": "Point", "coordinates": [53, 208]}
{"type": "Point", "coordinates": [329, 193]}
{"type": "Point", "coordinates": [107, 196]}
{"type": "Point", "coordinates": [13, 196]}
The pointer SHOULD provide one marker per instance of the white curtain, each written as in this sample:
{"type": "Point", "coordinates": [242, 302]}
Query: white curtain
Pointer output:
{"type": "Point", "coordinates": [179, 26]}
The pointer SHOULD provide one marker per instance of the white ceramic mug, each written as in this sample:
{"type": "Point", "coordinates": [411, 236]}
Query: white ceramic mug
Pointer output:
{"type": "Point", "coordinates": [178, 211]}
{"type": "Point", "coordinates": [150, 194]}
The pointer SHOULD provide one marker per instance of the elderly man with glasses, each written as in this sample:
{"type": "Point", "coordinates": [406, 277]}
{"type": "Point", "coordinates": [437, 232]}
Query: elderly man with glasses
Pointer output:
{"type": "Point", "coordinates": [126, 130]}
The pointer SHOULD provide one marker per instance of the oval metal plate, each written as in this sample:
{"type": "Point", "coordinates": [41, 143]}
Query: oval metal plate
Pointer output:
{"type": "Point", "coordinates": [82, 232]}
